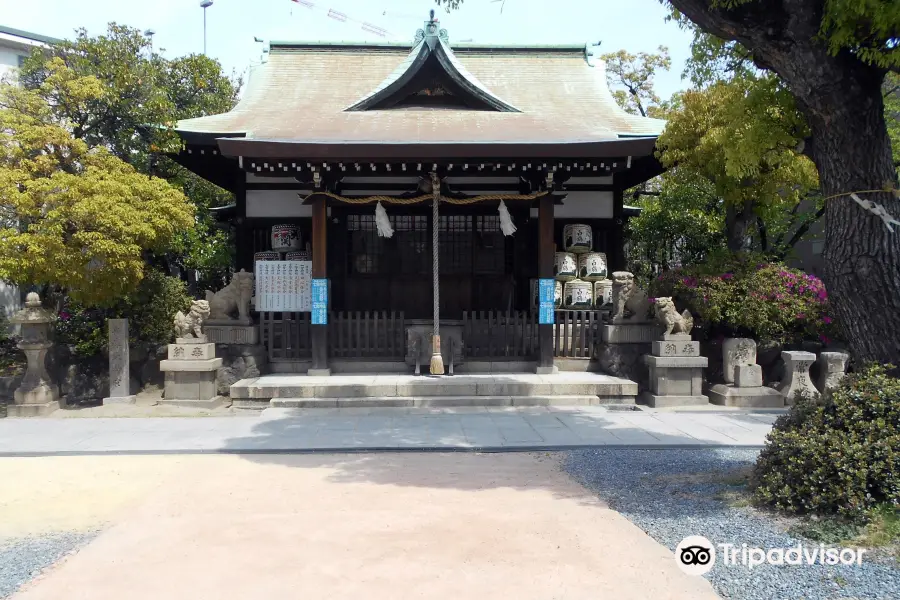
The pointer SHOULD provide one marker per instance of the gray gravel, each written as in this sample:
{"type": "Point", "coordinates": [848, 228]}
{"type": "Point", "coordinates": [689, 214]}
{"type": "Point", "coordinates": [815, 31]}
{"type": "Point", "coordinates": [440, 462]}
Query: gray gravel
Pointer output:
{"type": "Point", "coordinates": [629, 481]}
{"type": "Point", "coordinates": [23, 559]}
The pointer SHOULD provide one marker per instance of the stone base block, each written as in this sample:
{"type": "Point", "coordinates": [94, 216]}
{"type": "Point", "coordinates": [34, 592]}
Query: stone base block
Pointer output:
{"type": "Point", "coordinates": [192, 351]}
{"type": "Point", "coordinates": [190, 385]}
{"type": "Point", "coordinates": [677, 362]}
{"type": "Point", "coordinates": [191, 340]}
{"type": "Point", "coordinates": [215, 402]}
{"type": "Point", "coordinates": [676, 337]}
{"type": "Point", "coordinates": [748, 376]}
{"type": "Point", "coordinates": [319, 372]}
{"type": "Point", "coordinates": [745, 397]}
{"type": "Point", "coordinates": [210, 364]}
{"type": "Point", "coordinates": [547, 370]}
{"type": "Point", "coordinates": [119, 400]}
{"type": "Point", "coordinates": [630, 333]}
{"type": "Point", "coordinates": [42, 394]}
{"type": "Point", "coordinates": [232, 334]}
{"type": "Point", "coordinates": [31, 410]}
{"type": "Point", "coordinates": [656, 401]}
{"type": "Point", "coordinates": [676, 348]}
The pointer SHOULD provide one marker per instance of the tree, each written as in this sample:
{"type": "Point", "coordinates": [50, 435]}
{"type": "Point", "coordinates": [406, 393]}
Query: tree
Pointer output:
{"type": "Point", "coordinates": [834, 56]}
{"type": "Point", "coordinates": [631, 78]}
{"type": "Point", "coordinates": [741, 136]}
{"type": "Point", "coordinates": [75, 217]}
{"type": "Point", "coordinates": [141, 97]}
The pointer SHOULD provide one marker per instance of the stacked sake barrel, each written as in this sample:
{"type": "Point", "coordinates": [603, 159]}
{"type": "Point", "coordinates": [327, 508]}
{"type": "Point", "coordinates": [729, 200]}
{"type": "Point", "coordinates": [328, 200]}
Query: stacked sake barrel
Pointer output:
{"type": "Point", "coordinates": [582, 271]}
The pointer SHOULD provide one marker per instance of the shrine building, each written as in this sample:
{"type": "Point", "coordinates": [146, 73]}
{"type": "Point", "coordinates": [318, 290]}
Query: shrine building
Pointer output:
{"type": "Point", "coordinates": [392, 168]}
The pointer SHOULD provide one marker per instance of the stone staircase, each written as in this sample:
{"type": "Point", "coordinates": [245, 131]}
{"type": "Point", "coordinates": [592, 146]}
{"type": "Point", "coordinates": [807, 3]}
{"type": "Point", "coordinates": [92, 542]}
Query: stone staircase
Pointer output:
{"type": "Point", "coordinates": [392, 390]}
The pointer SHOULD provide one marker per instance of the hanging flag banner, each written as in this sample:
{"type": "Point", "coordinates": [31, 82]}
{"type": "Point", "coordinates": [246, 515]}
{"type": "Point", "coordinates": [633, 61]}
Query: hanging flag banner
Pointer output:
{"type": "Point", "coordinates": [546, 289]}
{"type": "Point", "coordinates": [283, 285]}
{"type": "Point", "coordinates": [320, 302]}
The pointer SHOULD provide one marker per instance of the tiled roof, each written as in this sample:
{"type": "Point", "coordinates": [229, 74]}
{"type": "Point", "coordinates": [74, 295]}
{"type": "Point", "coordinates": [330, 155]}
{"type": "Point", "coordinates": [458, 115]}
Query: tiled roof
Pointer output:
{"type": "Point", "coordinates": [302, 92]}
{"type": "Point", "coordinates": [35, 37]}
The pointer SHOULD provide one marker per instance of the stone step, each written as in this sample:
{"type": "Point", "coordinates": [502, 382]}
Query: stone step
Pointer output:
{"type": "Point", "coordinates": [587, 384]}
{"type": "Point", "coordinates": [617, 402]}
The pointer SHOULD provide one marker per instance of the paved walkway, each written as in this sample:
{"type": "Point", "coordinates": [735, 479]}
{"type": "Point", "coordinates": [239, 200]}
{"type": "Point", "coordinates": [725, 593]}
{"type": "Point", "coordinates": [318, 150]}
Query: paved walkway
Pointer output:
{"type": "Point", "coordinates": [302, 430]}
{"type": "Point", "coordinates": [382, 526]}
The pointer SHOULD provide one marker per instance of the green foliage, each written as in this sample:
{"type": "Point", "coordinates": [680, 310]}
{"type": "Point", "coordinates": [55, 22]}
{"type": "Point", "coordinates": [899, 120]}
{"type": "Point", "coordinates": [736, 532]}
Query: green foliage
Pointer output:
{"type": "Point", "coordinates": [867, 28]}
{"type": "Point", "coordinates": [681, 225]}
{"type": "Point", "coordinates": [742, 136]}
{"type": "Point", "coordinates": [73, 216]}
{"type": "Point", "coordinates": [892, 113]}
{"type": "Point", "coordinates": [841, 455]}
{"type": "Point", "coordinates": [631, 79]}
{"type": "Point", "coordinates": [743, 296]}
{"type": "Point", "coordinates": [827, 531]}
{"type": "Point", "coordinates": [149, 308]}
{"type": "Point", "coordinates": [136, 100]}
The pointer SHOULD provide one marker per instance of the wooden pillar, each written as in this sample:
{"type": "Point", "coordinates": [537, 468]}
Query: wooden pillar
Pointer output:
{"type": "Point", "coordinates": [319, 333]}
{"type": "Point", "coordinates": [243, 236]}
{"type": "Point", "coordinates": [616, 251]}
{"type": "Point", "coordinates": [546, 251]}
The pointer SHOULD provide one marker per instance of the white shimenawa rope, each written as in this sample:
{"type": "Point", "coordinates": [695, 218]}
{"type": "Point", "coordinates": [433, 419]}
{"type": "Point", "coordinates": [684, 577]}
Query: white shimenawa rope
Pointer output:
{"type": "Point", "coordinates": [877, 210]}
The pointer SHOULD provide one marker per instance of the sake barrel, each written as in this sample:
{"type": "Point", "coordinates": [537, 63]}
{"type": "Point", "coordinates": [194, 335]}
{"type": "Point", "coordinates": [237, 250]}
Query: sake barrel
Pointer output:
{"type": "Point", "coordinates": [565, 267]}
{"type": "Point", "coordinates": [285, 237]}
{"type": "Point", "coordinates": [578, 294]}
{"type": "Point", "coordinates": [267, 256]}
{"type": "Point", "coordinates": [535, 285]}
{"type": "Point", "coordinates": [578, 238]}
{"type": "Point", "coordinates": [592, 266]}
{"type": "Point", "coordinates": [299, 255]}
{"type": "Point", "coordinates": [602, 293]}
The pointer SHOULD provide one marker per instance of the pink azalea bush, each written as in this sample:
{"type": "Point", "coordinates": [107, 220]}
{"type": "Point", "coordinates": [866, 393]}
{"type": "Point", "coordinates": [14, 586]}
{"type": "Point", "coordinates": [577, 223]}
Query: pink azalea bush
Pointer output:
{"type": "Point", "coordinates": [746, 296]}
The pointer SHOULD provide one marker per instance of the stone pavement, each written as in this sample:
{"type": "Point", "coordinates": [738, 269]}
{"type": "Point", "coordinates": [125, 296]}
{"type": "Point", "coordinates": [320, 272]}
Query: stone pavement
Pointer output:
{"type": "Point", "coordinates": [359, 429]}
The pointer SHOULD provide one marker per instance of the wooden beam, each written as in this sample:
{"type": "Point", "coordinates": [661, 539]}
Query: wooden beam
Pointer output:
{"type": "Point", "coordinates": [243, 257]}
{"type": "Point", "coordinates": [616, 234]}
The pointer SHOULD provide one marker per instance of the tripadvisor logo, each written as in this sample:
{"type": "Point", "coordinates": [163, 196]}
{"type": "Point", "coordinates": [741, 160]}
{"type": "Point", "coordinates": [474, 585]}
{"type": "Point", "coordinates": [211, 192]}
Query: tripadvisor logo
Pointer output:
{"type": "Point", "coordinates": [696, 555]}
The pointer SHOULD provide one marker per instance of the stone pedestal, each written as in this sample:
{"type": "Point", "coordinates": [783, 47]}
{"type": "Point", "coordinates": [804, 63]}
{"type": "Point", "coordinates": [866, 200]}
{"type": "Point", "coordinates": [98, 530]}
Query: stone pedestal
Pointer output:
{"type": "Point", "coordinates": [191, 374]}
{"type": "Point", "coordinates": [747, 391]}
{"type": "Point", "coordinates": [119, 374]}
{"type": "Point", "coordinates": [225, 332]}
{"type": "Point", "coordinates": [675, 380]}
{"type": "Point", "coordinates": [630, 333]}
{"type": "Point", "coordinates": [737, 351]}
{"type": "Point", "coordinates": [36, 395]}
{"type": "Point", "coordinates": [832, 369]}
{"type": "Point", "coordinates": [796, 376]}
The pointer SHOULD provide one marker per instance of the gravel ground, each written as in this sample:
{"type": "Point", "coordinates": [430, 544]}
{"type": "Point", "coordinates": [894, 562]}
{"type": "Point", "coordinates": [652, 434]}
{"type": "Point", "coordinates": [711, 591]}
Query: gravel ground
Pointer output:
{"type": "Point", "coordinates": [23, 559]}
{"type": "Point", "coordinates": [644, 485]}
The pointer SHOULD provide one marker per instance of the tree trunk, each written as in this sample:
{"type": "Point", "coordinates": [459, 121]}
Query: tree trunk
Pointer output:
{"type": "Point", "coordinates": [738, 221]}
{"type": "Point", "coordinates": [862, 257]}
{"type": "Point", "coordinates": [841, 97]}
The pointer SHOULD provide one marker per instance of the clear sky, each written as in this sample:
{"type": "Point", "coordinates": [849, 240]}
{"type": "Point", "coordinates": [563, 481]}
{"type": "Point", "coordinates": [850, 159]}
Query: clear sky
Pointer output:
{"type": "Point", "coordinates": [633, 25]}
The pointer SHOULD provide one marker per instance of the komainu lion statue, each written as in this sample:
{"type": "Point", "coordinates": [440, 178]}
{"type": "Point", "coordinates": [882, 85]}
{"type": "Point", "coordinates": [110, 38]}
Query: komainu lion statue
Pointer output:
{"type": "Point", "coordinates": [192, 323]}
{"type": "Point", "coordinates": [233, 298]}
{"type": "Point", "coordinates": [628, 297]}
{"type": "Point", "coordinates": [667, 315]}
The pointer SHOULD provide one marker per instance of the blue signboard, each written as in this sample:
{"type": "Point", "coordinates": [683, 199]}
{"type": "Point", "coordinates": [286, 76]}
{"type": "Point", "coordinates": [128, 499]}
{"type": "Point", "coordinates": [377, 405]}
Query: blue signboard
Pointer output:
{"type": "Point", "coordinates": [320, 302]}
{"type": "Point", "coordinates": [546, 291]}
{"type": "Point", "coordinates": [547, 287]}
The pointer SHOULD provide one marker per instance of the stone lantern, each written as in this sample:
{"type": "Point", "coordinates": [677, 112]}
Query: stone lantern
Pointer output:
{"type": "Point", "coordinates": [36, 396]}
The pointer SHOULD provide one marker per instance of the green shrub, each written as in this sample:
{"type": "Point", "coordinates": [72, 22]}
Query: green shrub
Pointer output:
{"type": "Point", "coordinates": [743, 296]}
{"type": "Point", "coordinates": [149, 309]}
{"type": "Point", "coordinates": [838, 456]}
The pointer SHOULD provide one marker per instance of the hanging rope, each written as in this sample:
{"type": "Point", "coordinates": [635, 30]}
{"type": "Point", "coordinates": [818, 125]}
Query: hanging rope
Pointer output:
{"type": "Point", "coordinates": [437, 363]}
{"type": "Point", "coordinates": [420, 199]}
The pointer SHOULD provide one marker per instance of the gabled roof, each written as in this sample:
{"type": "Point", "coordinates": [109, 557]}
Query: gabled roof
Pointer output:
{"type": "Point", "coordinates": [27, 35]}
{"type": "Point", "coordinates": [318, 95]}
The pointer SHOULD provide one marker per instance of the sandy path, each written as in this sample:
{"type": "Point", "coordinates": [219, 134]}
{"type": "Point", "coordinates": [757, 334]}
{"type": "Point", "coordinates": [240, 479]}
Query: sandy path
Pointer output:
{"type": "Point", "coordinates": [347, 526]}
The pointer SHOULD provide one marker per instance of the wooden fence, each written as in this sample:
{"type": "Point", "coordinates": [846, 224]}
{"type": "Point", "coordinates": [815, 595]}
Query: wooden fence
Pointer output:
{"type": "Point", "coordinates": [369, 334]}
{"type": "Point", "coordinates": [577, 333]}
{"type": "Point", "coordinates": [499, 335]}
{"type": "Point", "coordinates": [285, 335]}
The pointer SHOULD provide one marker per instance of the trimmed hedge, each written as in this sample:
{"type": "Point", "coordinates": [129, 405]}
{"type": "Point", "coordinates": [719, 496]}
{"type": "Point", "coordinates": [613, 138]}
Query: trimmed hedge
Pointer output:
{"type": "Point", "coordinates": [838, 456]}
